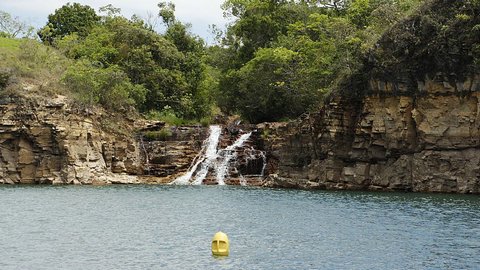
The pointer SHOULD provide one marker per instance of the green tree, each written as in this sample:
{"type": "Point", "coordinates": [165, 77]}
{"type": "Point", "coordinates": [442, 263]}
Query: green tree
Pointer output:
{"type": "Point", "coordinates": [167, 12]}
{"type": "Point", "coordinates": [267, 88]}
{"type": "Point", "coordinates": [109, 87]}
{"type": "Point", "coordinates": [172, 77]}
{"type": "Point", "coordinates": [258, 24]}
{"type": "Point", "coordinates": [70, 18]}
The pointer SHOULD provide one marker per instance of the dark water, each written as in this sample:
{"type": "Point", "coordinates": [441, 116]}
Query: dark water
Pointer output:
{"type": "Point", "coordinates": [165, 227]}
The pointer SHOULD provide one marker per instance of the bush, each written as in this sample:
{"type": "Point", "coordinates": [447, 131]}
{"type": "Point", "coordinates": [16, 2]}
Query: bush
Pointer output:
{"type": "Point", "coordinates": [4, 78]}
{"type": "Point", "coordinates": [168, 116]}
{"type": "Point", "coordinates": [109, 87]}
{"type": "Point", "coordinates": [25, 59]}
{"type": "Point", "coordinates": [160, 135]}
{"type": "Point", "coordinates": [267, 88]}
{"type": "Point", "coordinates": [38, 61]}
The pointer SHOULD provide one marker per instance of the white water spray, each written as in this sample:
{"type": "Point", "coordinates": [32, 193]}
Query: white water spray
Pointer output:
{"type": "Point", "coordinates": [228, 154]}
{"type": "Point", "coordinates": [203, 159]}
{"type": "Point", "coordinates": [211, 158]}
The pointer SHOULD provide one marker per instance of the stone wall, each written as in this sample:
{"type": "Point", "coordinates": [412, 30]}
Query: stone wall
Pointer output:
{"type": "Point", "coordinates": [423, 140]}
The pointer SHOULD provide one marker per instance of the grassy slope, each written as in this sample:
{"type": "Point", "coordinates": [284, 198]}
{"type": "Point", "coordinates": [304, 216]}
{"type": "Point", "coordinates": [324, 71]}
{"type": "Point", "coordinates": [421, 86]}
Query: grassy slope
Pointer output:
{"type": "Point", "coordinates": [9, 45]}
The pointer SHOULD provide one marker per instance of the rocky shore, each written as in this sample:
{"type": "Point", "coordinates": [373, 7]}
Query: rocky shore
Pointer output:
{"type": "Point", "coordinates": [426, 142]}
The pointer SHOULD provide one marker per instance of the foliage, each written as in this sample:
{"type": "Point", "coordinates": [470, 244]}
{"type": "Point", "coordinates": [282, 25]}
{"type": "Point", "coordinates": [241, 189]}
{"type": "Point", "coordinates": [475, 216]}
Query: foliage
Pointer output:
{"type": "Point", "coordinates": [167, 12]}
{"type": "Point", "coordinates": [70, 18]}
{"type": "Point", "coordinates": [161, 135]}
{"type": "Point", "coordinates": [328, 39]}
{"type": "Point", "coordinates": [267, 87]}
{"type": "Point", "coordinates": [169, 67]}
{"type": "Point", "coordinates": [4, 78]}
{"type": "Point", "coordinates": [109, 87]}
{"type": "Point", "coordinates": [258, 24]}
{"type": "Point", "coordinates": [29, 66]}
{"type": "Point", "coordinates": [30, 59]}
{"type": "Point", "coordinates": [9, 44]}
{"type": "Point", "coordinates": [168, 116]}
{"type": "Point", "coordinates": [439, 38]}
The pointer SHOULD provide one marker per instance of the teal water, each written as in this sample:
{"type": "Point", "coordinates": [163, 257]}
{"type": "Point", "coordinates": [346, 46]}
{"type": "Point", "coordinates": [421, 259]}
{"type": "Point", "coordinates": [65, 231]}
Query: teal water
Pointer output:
{"type": "Point", "coordinates": [170, 227]}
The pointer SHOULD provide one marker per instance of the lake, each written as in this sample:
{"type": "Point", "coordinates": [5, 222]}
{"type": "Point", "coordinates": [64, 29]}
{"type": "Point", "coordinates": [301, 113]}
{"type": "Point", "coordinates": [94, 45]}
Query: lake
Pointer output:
{"type": "Point", "coordinates": [170, 227]}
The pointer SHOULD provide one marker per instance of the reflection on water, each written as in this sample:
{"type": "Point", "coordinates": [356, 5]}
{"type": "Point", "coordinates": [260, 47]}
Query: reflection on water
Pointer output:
{"type": "Point", "coordinates": [170, 227]}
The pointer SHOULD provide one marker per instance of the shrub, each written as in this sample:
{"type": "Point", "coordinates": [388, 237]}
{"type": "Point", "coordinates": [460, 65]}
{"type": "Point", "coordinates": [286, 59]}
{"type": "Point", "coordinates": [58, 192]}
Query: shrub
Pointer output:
{"type": "Point", "coordinates": [4, 78]}
{"type": "Point", "coordinates": [109, 87]}
{"type": "Point", "coordinates": [160, 135]}
{"type": "Point", "coordinates": [168, 116]}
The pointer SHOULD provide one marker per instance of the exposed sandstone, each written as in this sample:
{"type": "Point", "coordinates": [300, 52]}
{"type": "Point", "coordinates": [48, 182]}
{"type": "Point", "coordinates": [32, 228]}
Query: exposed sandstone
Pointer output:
{"type": "Point", "coordinates": [428, 141]}
{"type": "Point", "coordinates": [57, 142]}
{"type": "Point", "coordinates": [54, 142]}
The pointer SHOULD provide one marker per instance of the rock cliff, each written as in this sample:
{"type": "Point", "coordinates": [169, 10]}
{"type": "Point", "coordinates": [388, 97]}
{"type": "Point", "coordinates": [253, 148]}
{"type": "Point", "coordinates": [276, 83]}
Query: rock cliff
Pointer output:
{"type": "Point", "coordinates": [429, 142]}
{"type": "Point", "coordinates": [55, 142]}
{"type": "Point", "coordinates": [407, 120]}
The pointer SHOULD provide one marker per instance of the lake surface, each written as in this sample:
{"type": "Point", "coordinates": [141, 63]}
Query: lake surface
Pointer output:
{"type": "Point", "coordinates": [170, 227]}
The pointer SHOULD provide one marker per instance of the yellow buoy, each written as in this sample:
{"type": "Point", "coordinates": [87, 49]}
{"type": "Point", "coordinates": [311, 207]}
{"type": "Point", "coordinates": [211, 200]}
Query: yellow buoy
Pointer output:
{"type": "Point", "coordinates": [220, 244]}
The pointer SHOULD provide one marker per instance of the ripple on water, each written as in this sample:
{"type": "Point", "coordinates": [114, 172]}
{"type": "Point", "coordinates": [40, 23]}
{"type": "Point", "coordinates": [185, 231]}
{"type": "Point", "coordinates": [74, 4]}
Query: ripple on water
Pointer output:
{"type": "Point", "coordinates": [170, 227]}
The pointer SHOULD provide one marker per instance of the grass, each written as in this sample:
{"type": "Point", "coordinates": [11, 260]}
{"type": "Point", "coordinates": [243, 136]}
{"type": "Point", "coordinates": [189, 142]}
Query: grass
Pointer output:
{"type": "Point", "coordinates": [162, 135]}
{"type": "Point", "coordinates": [27, 61]}
{"type": "Point", "coordinates": [10, 44]}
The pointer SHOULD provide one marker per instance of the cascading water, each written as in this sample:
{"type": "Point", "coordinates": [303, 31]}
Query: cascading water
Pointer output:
{"type": "Point", "coordinates": [228, 154]}
{"type": "Point", "coordinates": [264, 159]}
{"type": "Point", "coordinates": [205, 159]}
{"type": "Point", "coordinates": [147, 160]}
{"type": "Point", "coordinates": [210, 155]}
{"type": "Point", "coordinates": [212, 158]}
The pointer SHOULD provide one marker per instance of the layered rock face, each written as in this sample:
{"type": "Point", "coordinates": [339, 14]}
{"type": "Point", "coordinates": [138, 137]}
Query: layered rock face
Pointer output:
{"type": "Point", "coordinates": [54, 143]}
{"type": "Point", "coordinates": [170, 154]}
{"type": "Point", "coordinates": [232, 155]}
{"type": "Point", "coordinates": [57, 142]}
{"type": "Point", "coordinates": [425, 141]}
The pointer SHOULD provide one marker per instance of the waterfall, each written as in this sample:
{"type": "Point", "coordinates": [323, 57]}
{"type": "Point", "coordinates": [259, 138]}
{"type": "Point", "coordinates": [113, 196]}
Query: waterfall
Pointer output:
{"type": "Point", "coordinates": [227, 155]}
{"type": "Point", "coordinates": [204, 159]}
{"type": "Point", "coordinates": [243, 181]}
{"type": "Point", "coordinates": [147, 160]}
{"type": "Point", "coordinates": [264, 158]}
{"type": "Point", "coordinates": [212, 158]}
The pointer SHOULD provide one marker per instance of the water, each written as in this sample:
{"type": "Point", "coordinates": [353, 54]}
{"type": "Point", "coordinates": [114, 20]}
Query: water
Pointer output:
{"type": "Point", "coordinates": [204, 160]}
{"type": "Point", "coordinates": [211, 157]}
{"type": "Point", "coordinates": [170, 227]}
{"type": "Point", "coordinates": [228, 154]}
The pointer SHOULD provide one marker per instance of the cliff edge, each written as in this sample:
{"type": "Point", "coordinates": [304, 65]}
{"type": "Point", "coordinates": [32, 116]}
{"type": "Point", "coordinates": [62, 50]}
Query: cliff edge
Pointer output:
{"type": "Point", "coordinates": [409, 120]}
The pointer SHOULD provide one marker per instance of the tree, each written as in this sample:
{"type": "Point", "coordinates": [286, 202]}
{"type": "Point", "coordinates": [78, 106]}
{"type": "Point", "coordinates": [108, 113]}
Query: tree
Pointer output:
{"type": "Point", "coordinates": [266, 88]}
{"type": "Point", "coordinates": [172, 77]}
{"type": "Point", "coordinates": [12, 27]}
{"type": "Point", "coordinates": [167, 12]}
{"type": "Point", "coordinates": [109, 87]}
{"type": "Point", "coordinates": [70, 18]}
{"type": "Point", "coordinates": [258, 24]}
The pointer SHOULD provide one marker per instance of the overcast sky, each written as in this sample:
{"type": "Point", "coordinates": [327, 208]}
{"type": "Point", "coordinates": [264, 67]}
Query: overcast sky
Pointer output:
{"type": "Point", "coordinates": [200, 13]}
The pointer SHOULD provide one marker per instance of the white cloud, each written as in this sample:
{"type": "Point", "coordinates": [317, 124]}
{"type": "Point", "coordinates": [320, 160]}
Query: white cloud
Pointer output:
{"type": "Point", "coordinates": [200, 13]}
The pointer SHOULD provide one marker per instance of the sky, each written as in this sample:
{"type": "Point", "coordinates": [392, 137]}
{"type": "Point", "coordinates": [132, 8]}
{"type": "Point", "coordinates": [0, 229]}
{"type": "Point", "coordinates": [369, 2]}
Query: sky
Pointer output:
{"type": "Point", "coordinates": [200, 13]}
